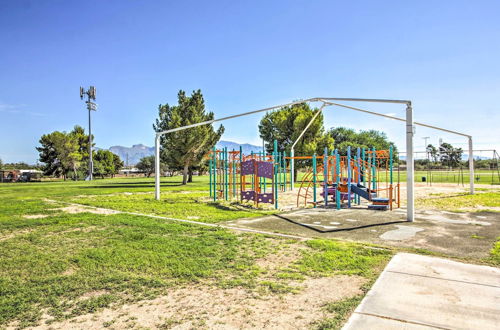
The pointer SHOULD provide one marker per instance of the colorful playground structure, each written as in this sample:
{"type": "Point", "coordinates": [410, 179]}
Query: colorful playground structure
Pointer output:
{"type": "Point", "coordinates": [331, 179]}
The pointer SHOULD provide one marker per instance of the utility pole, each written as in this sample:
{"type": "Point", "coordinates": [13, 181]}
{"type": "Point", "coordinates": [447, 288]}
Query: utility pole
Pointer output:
{"type": "Point", "coordinates": [91, 106]}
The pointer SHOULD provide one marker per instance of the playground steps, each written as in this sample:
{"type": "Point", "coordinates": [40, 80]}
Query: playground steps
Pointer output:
{"type": "Point", "coordinates": [362, 191]}
{"type": "Point", "coordinates": [379, 203]}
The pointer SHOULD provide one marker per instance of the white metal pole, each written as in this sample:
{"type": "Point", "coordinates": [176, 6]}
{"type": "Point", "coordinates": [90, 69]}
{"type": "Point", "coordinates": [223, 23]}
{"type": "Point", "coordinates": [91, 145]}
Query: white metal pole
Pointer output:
{"type": "Point", "coordinates": [410, 198]}
{"type": "Point", "coordinates": [471, 166]}
{"type": "Point", "coordinates": [157, 167]}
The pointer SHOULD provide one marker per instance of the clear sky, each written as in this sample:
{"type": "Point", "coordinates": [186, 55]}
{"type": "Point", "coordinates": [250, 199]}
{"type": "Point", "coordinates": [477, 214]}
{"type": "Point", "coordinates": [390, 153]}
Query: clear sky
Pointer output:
{"type": "Point", "coordinates": [243, 55]}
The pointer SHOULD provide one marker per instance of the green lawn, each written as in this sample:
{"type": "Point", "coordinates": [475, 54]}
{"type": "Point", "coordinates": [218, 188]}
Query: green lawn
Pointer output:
{"type": "Point", "coordinates": [53, 263]}
{"type": "Point", "coordinates": [480, 201]}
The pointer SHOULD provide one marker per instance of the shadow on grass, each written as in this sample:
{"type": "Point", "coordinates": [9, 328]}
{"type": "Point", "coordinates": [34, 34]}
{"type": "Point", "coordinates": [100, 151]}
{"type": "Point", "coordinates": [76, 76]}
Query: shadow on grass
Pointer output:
{"type": "Point", "coordinates": [339, 229]}
{"type": "Point", "coordinates": [447, 196]}
{"type": "Point", "coordinates": [234, 207]}
{"type": "Point", "coordinates": [117, 185]}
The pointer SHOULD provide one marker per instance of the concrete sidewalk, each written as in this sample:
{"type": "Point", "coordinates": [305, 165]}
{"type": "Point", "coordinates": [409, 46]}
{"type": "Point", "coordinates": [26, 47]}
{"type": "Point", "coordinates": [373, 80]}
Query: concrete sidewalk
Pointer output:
{"type": "Point", "coordinates": [420, 292]}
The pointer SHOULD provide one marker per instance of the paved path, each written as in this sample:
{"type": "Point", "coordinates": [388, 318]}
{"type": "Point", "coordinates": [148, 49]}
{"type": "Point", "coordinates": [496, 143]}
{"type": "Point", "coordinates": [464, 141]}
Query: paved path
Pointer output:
{"type": "Point", "coordinates": [420, 292]}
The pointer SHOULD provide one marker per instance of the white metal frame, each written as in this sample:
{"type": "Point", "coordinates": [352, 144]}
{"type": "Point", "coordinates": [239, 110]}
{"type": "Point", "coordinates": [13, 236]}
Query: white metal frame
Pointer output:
{"type": "Point", "coordinates": [328, 101]}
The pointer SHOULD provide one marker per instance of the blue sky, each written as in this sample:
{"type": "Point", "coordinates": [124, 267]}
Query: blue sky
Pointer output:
{"type": "Point", "coordinates": [244, 55]}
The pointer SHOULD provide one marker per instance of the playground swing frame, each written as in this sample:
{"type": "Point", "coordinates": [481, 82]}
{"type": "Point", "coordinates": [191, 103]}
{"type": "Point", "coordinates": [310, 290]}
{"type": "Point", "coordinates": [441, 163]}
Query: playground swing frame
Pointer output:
{"type": "Point", "coordinates": [328, 101]}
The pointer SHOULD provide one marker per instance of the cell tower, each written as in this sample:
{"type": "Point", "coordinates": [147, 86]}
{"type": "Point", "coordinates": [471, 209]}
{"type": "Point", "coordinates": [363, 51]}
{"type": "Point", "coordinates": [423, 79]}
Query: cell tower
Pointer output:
{"type": "Point", "coordinates": [91, 106]}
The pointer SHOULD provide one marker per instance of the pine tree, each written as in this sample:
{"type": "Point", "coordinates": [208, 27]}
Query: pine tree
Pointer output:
{"type": "Point", "coordinates": [184, 150]}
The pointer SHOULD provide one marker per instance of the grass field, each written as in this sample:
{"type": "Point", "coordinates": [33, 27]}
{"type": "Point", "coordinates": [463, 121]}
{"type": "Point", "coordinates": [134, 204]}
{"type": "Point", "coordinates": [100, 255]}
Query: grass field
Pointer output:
{"type": "Point", "coordinates": [56, 265]}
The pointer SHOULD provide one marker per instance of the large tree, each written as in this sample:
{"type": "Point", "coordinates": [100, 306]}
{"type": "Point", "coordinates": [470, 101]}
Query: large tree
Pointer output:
{"type": "Point", "coordinates": [433, 152]}
{"type": "Point", "coordinates": [184, 150]}
{"type": "Point", "coordinates": [285, 126]}
{"type": "Point", "coordinates": [106, 163]}
{"type": "Point", "coordinates": [345, 137]}
{"type": "Point", "coordinates": [147, 165]}
{"type": "Point", "coordinates": [60, 154]}
{"type": "Point", "coordinates": [449, 155]}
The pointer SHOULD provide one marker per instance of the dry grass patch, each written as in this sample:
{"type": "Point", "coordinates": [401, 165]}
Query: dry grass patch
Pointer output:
{"type": "Point", "coordinates": [208, 307]}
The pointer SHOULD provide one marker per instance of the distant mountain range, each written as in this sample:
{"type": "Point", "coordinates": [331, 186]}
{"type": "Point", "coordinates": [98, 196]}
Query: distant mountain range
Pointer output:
{"type": "Point", "coordinates": [132, 155]}
{"type": "Point", "coordinates": [246, 148]}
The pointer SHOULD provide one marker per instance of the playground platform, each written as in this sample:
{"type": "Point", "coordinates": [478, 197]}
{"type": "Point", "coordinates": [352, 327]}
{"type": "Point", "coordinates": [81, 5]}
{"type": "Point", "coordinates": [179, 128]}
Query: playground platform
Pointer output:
{"type": "Point", "coordinates": [421, 292]}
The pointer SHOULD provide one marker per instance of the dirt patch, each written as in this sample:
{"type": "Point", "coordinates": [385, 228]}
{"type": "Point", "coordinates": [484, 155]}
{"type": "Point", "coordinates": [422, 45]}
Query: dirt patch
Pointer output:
{"type": "Point", "coordinates": [15, 234]}
{"type": "Point", "coordinates": [74, 209]}
{"type": "Point", "coordinates": [35, 216]}
{"type": "Point", "coordinates": [208, 307]}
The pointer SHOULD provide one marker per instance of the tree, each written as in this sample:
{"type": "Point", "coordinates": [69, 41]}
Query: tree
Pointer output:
{"type": "Point", "coordinates": [117, 163]}
{"type": "Point", "coordinates": [449, 155]}
{"type": "Point", "coordinates": [433, 152]}
{"type": "Point", "coordinates": [1, 164]}
{"type": "Point", "coordinates": [106, 163]}
{"type": "Point", "coordinates": [59, 153]}
{"type": "Point", "coordinates": [62, 152]}
{"type": "Point", "coordinates": [147, 165]}
{"type": "Point", "coordinates": [83, 148]}
{"type": "Point", "coordinates": [285, 125]}
{"type": "Point", "coordinates": [345, 137]}
{"type": "Point", "coordinates": [184, 150]}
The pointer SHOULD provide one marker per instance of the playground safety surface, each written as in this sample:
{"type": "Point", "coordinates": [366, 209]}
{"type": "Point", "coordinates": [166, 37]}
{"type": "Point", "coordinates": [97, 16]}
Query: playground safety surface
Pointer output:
{"type": "Point", "coordinates": [421, 292]}
{"type": "Point", "coordinates": [465, 234]}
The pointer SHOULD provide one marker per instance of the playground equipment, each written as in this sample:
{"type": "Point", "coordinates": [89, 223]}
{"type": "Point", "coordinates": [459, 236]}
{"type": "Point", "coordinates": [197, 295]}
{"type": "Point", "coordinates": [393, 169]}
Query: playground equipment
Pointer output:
{"type": "Point", "coordinates": [327, 102]}
{"type": "Point", "coordinates": [343, 180]}
{"type": "Point", "coordinates": [256, 177]}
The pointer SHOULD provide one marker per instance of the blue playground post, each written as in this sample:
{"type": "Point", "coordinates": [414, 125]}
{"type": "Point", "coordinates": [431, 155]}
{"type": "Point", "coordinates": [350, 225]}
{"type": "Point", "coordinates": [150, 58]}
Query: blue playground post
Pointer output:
{"type": "Point", "coordinates": [349, 175]}
{"type": "Point", "coordinates": [325, 175]}
{"type": "Point", "coordinates": [275, 152]}
{"type": "Point", "coordinates": [337, 170]}
{"type": "Point", "coordinates": [284, 170]}
{"type": "Point", "coordinates": [363, 166]}
{"type": "Point", "coordinates": [234, 175]}
{"type": "Point", "coordinates": [210, 175]}
{"type": "Point", "coordinates": [226, 174]}
{"type": "Point", "coordinates": [279, 169]}
{"type": "Point", "coordinates": [215, 174]}
{"type": "Point", "coordinates": [358, 161]}
{"type": "Point", "coordinates": [332, 165]}
{"type": "Point", "coordinates": [314, 179]}
{"type": "Point", "coordinates": [374, 169]}
{"type": "Point", "coordinates": [264, 159]}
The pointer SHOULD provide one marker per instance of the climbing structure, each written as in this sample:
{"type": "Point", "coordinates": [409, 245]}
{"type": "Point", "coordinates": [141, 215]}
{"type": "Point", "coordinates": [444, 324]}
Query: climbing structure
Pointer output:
{"type": "Point", "coordinates": [332, 179]}
{"type": "Point", "coordinates": [256, 177]}
{"type": "Point", "coordinates": [346, 180]}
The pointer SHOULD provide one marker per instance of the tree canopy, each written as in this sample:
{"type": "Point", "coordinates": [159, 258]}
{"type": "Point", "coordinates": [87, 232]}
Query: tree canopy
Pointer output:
{"type": "Point", "coordinates": [106, 163]}
{"type": "Point", "coordinates": [449, 155]}
{"type": "Point", "coordinates": [184, 150]}
{"type": "Point", "coordinates": [147, 165]}
{"type": "Point", "coordinates": [345, 137]}
{"type": "Point", "coordinates": [59, 152]}
{"type": "Point", "coordinates": [62, 153]}
{"type": "Point", "coordinates": [285, 126]}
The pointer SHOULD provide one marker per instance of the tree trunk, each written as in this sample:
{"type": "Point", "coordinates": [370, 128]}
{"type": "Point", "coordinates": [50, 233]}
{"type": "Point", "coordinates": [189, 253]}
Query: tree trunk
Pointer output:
{"type": "Point", "coordinates": [185, 174]}
{"type": "Point", "coordinates": [190, 175]}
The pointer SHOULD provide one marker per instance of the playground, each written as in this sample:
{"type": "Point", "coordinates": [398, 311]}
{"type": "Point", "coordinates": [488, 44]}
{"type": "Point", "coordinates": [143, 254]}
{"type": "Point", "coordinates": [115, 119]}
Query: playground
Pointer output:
{"type": "Point", "coordinates": [253, 243]}
{"type": "Point", "coordinates": [332, 179]}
